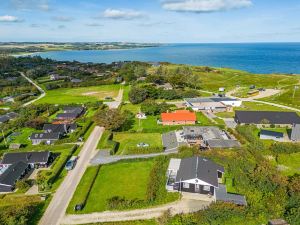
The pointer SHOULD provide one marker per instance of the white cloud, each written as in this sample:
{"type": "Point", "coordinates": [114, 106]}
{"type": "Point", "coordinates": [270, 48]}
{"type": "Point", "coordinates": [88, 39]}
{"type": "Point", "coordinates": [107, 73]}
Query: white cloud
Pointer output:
{"type": "Point", "coordinates": [31, 4]}
{"type": "Point", "coordinates": [62, 18]}
{"type": "Point", "coordinates": [94, 25]}
{"type": "Point", "coordinates": [9, 19]}
{"type": "Point", "coordinates": [204, 6]}
{"type": "Point", "coordinates": [122, 14]}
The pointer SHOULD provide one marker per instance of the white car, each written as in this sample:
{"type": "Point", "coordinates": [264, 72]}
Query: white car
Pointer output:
{"type": "Point", "coordinates": [142, 145]}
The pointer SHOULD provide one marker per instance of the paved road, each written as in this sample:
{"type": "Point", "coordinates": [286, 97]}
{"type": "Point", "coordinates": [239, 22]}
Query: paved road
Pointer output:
{"type": "Point", "coordinates": [43, 93]}
{"type": "Point", "coordinates": [64, 193]}
{"type": "Point", "coordinates": [178, 207]}
{"type": "Point", "coordinates": [118, 100]}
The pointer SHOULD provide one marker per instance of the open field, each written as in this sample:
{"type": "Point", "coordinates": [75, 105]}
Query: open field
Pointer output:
{"type": "Point", "coordinates": [251, 106]}
{"type": "Point", "coordinates": [80, 95]}
{"type": "Point", "coordinates": [124, 179]}
{"type": "Point", "coordinates": [287, 97]}
{"type": "Point", "coordinates": [230, 78]}
{"type": "Point", "coordinates": [130, 140]}
{"type": "Point", "coordinates": [290, 163]}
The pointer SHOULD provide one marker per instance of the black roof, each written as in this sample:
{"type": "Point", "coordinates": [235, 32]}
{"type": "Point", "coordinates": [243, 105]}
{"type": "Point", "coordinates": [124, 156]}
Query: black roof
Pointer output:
{"type": "Point", "coordinates": [45, 136]}
{"type": "Point", "coordinates": [26, 157]}
{"type": "Point", "coordinates": [13, 173]}
{"type": "Point", "coordinates": [67, 115]}
{"type": "Point", "coordinates": [274, 117]}
{"type": "Point", "coordinates": [4, 119]}
{"type": "Point", "coordinates": [271, 133]}
{"type": "Point", "coordinates": [73, 109]}
{"type": "Point", "coordinates": [59, 128]}
{"type": "Point", "coordinates": [200, 168]}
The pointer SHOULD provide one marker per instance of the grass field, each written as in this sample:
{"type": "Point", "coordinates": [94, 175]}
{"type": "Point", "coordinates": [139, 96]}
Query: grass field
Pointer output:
{"type": "Point", "coordinates": [22, 137]}
{"type": "Point", "coordinates": [124, 179]}
{"type": "Point", "coordinates": [287, 97]}
{"type": "Point", "coordinates": [291, 163]}
{"type": "Point", "coordinates": [251, 106]}
{"type": "Point", "coordinates": [130, 140]}
{"type": "Point", "coordinates": [83, 187]}
{"type": "Point", "coordinates": [230, 78]}
{"type": "Point", "coordinates": [80, 95]}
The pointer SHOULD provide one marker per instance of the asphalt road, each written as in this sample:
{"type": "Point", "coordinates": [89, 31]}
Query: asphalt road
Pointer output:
{"type": "Point", "coordinates": [43, 93]}
{"type": "Point", "coordinates": [64, 193]}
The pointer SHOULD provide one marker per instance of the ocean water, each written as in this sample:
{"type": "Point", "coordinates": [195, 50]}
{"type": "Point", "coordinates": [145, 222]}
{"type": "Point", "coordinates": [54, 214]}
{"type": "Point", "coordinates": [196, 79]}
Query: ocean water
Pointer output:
{"type": "Point", "coordinates": [259, 58]}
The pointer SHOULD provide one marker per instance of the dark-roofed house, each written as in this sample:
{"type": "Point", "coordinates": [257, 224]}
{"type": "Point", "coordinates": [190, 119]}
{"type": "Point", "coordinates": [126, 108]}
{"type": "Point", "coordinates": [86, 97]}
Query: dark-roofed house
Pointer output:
{"type": "Point", "coordinates": [267, 118]}
{"type": "Point", "coordinates": [271, 135]}
{"type": "Point", "coordinates": [47, 138]}
{"type": "Point", "coordinates": [11, 175]}
{"type": "Point", "coordinates": [34, 159]}
{"type": "Point", "coordinates": [59, 128]}
{"type": "Point", "coordinates": [199, 175]}
{"type": "Point", "coordinates": [8, 116]}
{"type": "Point", "coordinates": [70, 113]}
{"type": "Point", "coordinates": [295, 135]}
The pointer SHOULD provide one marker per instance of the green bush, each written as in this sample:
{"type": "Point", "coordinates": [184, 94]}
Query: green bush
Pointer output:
{"type": "Point", "coordinates": [156, 191]}
{"type": "Point", "coordinates": [92, 178]}
{"type": "Point", "coordinates": [285, 148]}
{"type": "Point", "coordinates": [45, 178]}
{"type": "Point", "coordinates": [118, 203]}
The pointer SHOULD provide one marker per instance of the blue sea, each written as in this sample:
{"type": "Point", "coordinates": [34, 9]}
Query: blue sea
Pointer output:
{"type": "Point", "coordinates": [261, 58]}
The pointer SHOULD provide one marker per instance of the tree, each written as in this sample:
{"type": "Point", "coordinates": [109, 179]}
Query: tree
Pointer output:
{"type": "Point", "coordinates": [22, 185]}
{"type": "Point", "coordinates": [137, 95]}
{"type": "Point", "coordinates": [150, 107]}
{"type": "Point", "coordinates": [36, 123]}
{"type": "Point", "coordinates": [111, 119]}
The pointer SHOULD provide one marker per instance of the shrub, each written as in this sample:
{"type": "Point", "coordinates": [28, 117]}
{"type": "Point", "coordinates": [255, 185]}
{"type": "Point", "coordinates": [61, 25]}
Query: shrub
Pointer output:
{"type": "Point", "coordinates": [45, 178]}
{"type": "Point", "coordinates": [84, 196]}
{"type": "Point", "coordinates": [156, 191]}
{"type": "Point", "coordinates": [22, 185]}
{"type": "Point", "coordinates": [285, 148]}
{"type": "Point", "coordinates": [117, 202]}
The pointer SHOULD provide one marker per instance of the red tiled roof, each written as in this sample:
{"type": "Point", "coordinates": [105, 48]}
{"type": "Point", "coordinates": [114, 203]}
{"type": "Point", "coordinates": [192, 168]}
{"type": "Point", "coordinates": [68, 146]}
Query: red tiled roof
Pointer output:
{"type": "Point", "coordinates": [180, 115]}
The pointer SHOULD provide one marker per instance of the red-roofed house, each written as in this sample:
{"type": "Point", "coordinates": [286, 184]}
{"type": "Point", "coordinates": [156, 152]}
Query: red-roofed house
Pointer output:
{"type": "Point", "coordinates": [179, 117]}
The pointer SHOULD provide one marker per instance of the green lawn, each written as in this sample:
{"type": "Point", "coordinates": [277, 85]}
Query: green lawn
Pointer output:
{"type": "Point", "coordinates": [80, 95]}
{"type": "Point", "coordinates": [126, 92]}
{"type": "Point", "coordinates": [291, 162]}
{"type": "Point", "coordinates": [130, 107]}
{"type": "Point", "coordinates": [251, 106]}
{"type": "Point", "coordinates": [124, 179]}
{"type": "Point", "coordinates": [203, 120]}
{"type": "Point", "coordinates": [130, 140]}
{"type": "Point", "coordinates": [83, 187]}
{"type": "Point", "coordinates": [287, 98]}
{"type": "Point", "coordinates": [22, 137]}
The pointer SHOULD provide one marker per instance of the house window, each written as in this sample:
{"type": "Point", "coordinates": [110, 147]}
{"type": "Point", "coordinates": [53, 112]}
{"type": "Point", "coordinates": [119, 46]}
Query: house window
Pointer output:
{"type": "Point", "coordinates": [206, 188]}
{"type": "Point", "coordinates": [186, 185]}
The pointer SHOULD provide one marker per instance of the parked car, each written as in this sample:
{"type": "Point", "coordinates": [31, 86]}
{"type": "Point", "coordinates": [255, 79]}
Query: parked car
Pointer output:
{"type": "Point", "coordinates": [71, 163]}
{"type": "Point", "coordinates": [142, 145]}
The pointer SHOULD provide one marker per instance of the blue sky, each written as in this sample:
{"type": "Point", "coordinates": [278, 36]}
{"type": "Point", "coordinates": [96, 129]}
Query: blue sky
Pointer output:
{"type": "Point", "coordinates": [165, 21]}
